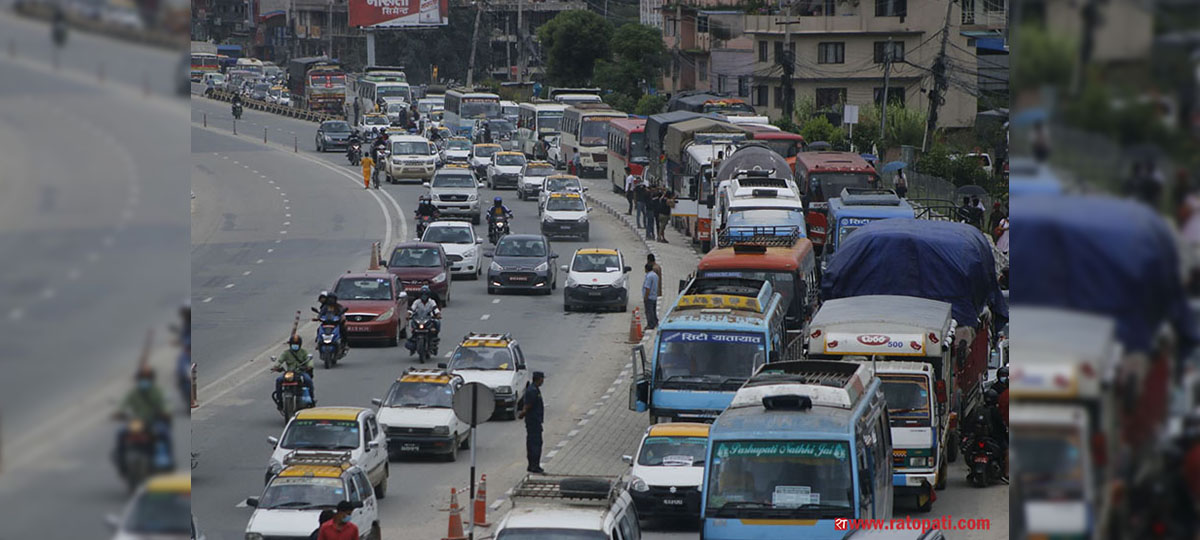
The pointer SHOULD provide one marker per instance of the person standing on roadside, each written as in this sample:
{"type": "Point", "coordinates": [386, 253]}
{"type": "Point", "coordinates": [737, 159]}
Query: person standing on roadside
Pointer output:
{"type": "Point", "coordinates": [339, 527]}
{"type": "Point", "coordinates": [665, 202]}
{"type": "Point", "coordinates": [650, 288]}
{"type": "Point", "coordinates": [657, 270]}
{"type": "Point", "coordinates": [640, 196]}
{"type": "Point", "coordinates": [901, 184]}
{"type": "Point", "coordinates": [630, 183]}
{"type": "Point", "coordinates": [651, 212]}
{"type": "Point", "coordinates": [533, 410]}
{"type": "Point", "coordinates": [368, 164]}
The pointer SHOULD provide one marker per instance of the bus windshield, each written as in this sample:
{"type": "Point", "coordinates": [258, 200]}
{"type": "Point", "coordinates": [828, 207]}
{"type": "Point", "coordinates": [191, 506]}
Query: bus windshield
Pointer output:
{"type": "Point", "coordinates": [784, 147]}
{"type": "Point", "coordinates": [637, 145]}
{"type": "Point", "coordinates": [825, 185]}
{"type": "Point", "coordinates": [1051, 462]}
{"type": "Point", "coordinates": [549, 120]}
{"type": "Point", "coordinates": [780, 478]}
{"type": "Point", "coordinates": [707, 360]}
{"type": "Point", "coordinates": [472, 109]}
{"type": "Point", "coordinates": [593, 132]}
{"type": "Point", "coordinates": [393, 91]}
{"type": "Point", "coordinates": [907, 399]}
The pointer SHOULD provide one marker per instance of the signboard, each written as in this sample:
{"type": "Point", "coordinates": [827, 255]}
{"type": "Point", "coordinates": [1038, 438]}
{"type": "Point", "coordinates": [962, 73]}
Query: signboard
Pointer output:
{"type": "Point", "coordinates": [850, 114]}
{"type": "Point", "coordinates": [483, 399]}
{"type": "Point", "coordinates": [711, 337]}
{"type": "Point", "coordinates": [808, 449]}
{"type": "Point", "coordinates": [721, 301]}
{"type": "Point", "coordinates": [399, 13]}
{"type": "Point", "coordinates": [884, 344]}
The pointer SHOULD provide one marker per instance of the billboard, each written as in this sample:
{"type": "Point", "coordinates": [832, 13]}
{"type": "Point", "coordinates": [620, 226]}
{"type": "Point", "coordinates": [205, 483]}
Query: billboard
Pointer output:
{"type": "Point", "coordinates": [399, 13]}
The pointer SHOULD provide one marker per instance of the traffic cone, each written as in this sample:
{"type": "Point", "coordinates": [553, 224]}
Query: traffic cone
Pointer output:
{"type": "Point", "coordinates": [455, 531]}
{"type": "Point", "coordinates": [481, 503]}
{"type": "Point", "coordinates": [635, 327]}
{"type": "Point", "coordinates": [374, 256]}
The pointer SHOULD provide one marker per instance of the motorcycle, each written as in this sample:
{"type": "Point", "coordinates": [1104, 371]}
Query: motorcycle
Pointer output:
{"type": "Point", "coordinates": [497, 229]}
{"type": "Point", "coordinates": [983, 455]}
{"type": "Point", "coordinates": [237, 112]}
{"type": "Point", "coordinates": [330, 341]}
{"type": "Point", "coordinates": [354, 153]}
{"type": "Point", "coordinates": [293, 395]}
{"type": "Point", "coordinates": [422, 337]}
{"type": "Point", "coordinates": [146, 450]}
{"type": "Point", "coordinates": [422, 224]}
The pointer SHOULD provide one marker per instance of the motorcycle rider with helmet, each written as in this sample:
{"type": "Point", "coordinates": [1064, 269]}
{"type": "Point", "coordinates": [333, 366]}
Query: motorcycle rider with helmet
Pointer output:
{"type": "Point", "coordinates": [498, 210]}
{"type": "Point", "coordinates": [237, 105]}
{"type": "Point", "coordinates": [146, 403]}
{"type": "Point", "coordinates": [330, 306]}
{"type": "Point", "coordinates": [297, 360]}
{"type": "Point", "coordinates": [425, 305]}
{"type": "Point", "coordinates": [425, 208]}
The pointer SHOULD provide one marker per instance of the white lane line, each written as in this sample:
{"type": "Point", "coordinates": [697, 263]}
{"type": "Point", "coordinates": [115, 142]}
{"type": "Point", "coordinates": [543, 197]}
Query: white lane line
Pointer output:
{"type": "Point", "coordinates": [260, 261]}
{"type": "Point", "coordinates": [229, 286]}
{"type": "Point", "coordinates": [16, 313]}
{"type": "Point", "coordinates": [287, 223]}
{"type": "Point", "coordinates": [583, 422]}
{"type": "Point", "coordinates": [485, 316]}
{"type": "Point", "coordinates": [277, 187]}
{"type": "Point", "coordinates": [224, 157]}
{"type": "Point", "coordinates": [281, 232]}
{"type": "Point", "coordinates": [246, 273]}
{"type": "Point", "coordinates": [591, 412]}
{"type": "Point", "coordinates": [278, 241]}
{"type": "Point", "coordinates": [286, 207]}
{"type": "Point", "coordinates": [287, 215]}
{"type": "Point", "coordinates": [235, 162]}
{"type": "Point", "coordinates": [449, 354]}
{"type": "Point", "coordinates": [551, 454]}
{"type": "Point", "coordinates": [561, 444]}
{"type": "Point", "coordinates": [495, 300]}
{"type": "Point", "coordinates": [572, 433]}
{"type": "Point", "coordinates": [207, 300]}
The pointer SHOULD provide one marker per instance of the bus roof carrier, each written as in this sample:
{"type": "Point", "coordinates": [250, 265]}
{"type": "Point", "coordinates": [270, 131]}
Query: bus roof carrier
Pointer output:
{"type": "Point", "coordinates": [743, 237]}
{"type": "Point", "coordinates": [584, 490]}
{"type": "Point", "coordinates": [726, 292]}
{"type": "Point", "coordinates": [852, 196]}
{"type": "Point", "coordinates": [822, 382]}
{"type": "Point", "coordinates": [787, 401]}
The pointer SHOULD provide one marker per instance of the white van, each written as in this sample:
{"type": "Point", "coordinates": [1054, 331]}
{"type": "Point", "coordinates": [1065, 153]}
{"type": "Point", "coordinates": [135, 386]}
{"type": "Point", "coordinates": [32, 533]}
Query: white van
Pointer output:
{"type": "Point", "coordinates": [583, 507]}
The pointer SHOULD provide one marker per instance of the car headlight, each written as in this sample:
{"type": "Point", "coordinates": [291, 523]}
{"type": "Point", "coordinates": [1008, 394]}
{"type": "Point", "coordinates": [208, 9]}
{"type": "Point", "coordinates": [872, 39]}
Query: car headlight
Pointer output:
{"type": "Point", "coordinates": [441, 430]}
{"type": "Point", "coordinates": [583, 219]}
{"type": "Point", "coordinates": [472, 197]}
{"type": "Point", "coordinates": [546, 218]}
{"type": "Point", "coordinates": [386, 315]}
{"type": "Point", "coordinates": [503, 389]}
{"type": "Point", "coordinates": [254, 536]}
{"type": "Point", "coordinates": [495, 267]}
{"type": "Point", "coordinates": [327, 137]}
{"type": "Point", "coordinates": [470, 253]}
{"type": "Point", "coordinates": [396, 160]}
{"type": "Point", "coordinates": [637, 484]}
{"type": "Point", "coordinates": [571, 281]}
{"type": "Point", "coordinates": [439, 278]}
{"type": "Point", "coordinates": [542, 267]}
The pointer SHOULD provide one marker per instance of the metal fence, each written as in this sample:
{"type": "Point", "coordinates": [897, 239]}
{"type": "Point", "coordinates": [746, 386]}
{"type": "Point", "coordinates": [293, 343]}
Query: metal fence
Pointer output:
{"type": "Point", "coordinates": [933, 188]}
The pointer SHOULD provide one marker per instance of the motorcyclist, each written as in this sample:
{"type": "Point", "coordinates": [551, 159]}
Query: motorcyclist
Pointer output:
{"type": "Point", "coordinates": [498, 210]}
{"type": "Point", "coordinates": [330, 306]}
{"type": "Point", "coordinates": [295, 359]}
{"type": "Point", "coordinates": [354, 139]}
{"type": "Point", "coordinates": [425, 305]}
{"type": "Point", "coordinates": [426, 208]}
{"type": "Point", "coordinates": [147, 404]}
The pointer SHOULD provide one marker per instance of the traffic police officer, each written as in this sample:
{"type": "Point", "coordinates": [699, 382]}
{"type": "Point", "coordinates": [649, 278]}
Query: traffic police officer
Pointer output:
{"type": "Point", "coordinates": [534, 413]}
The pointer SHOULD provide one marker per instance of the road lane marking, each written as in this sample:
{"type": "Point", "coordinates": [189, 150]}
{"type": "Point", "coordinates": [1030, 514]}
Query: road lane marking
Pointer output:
{"type": "Point", "coordinates": [485, 317]}
{"type": "Point", "coordinates": [287, 223]}
{"type": "Point", "coordinates": [229, 286]}
{"type": "Point", "coordinates": [495, 300]}
{"type": "Point", "coordinates": [281, 232]}
{"type": "Point", "coordinates": [260, 261]}
{"type": "Point", "coordinates": [270, 250]}
{"type": "Point", "coordinates": [246, 273]}
{"type": "Point", "coordinates": [207, 300]}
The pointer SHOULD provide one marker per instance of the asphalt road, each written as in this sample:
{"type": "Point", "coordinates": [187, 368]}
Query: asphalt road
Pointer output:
{"type": "Point", "coordinates": [93, 226]}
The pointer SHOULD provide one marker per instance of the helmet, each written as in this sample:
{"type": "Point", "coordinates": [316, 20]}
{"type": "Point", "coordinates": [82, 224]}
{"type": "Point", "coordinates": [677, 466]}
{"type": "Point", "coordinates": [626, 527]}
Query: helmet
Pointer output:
{"type": "Point", "coordinates": [332, 298]}
{"type": "Point", "coordinates": [294, 340]}
{"type": "Point", "coordinates": [498, 200]}
{"type": "Point", "coordinates": [425, 291]}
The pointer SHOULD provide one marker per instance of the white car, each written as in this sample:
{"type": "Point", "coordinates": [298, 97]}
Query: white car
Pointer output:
{"type": "Point", "coordinates": [505, 170]}
{"type": "Point", "coordinates": [556, 183]}
{"type": "Point", "coordinates": [496, 361]}
{"type": "Point", "coordinates": [321, 430]}
{"type": "Point", "coordinates": [594, 507]}
{"type": "Point", "coordinates": [418, 414]}
{"type": "Point", "coordinates": [456, 150]}
{"type": "Point", "coordinates": [666, 472]}
{"type": "Point", "coordinates": [461, 245]}
{"type": "Point", "coordinates": [411, 157]}
{"type": "Point", "coordinates": [292, 502]}
{"type": "Point", "coordinates": [161, 508]}
{"type": "Point", "coordinates": [481, 157]}
{"type": "Point", "coordinates": [372, 123]}
{"type": "Point", "coordinates": [532, 179]}
{"type": "Point", "coordinates": [566, 214]}
{"type": "Point", "coordinates": [455, 193]}
{"type": "Point", "coordinates": [554, 152]}
{"type": "Point", "coordinates": [596, 277]}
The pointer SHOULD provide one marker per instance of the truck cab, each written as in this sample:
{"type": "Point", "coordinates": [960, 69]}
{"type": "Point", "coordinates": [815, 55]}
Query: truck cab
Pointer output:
{"type": "Point", "coordinates": [856, 207]}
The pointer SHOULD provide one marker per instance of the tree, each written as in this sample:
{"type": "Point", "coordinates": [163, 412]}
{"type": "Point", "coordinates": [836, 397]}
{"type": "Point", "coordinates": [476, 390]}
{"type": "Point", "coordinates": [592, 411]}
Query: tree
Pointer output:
{"type": "Point", "coordinates": [620, 101]}
{"type": "Point", "coordinates": [573, 41]}
{"type": "Point", "coordinates": [1046, 58]}
{"type": "Point", "coordinates": [649, 105]}
{"type": "Point", "coordinates": [818, 128]}
{"type": "Point", "coordinates": [444, 46]}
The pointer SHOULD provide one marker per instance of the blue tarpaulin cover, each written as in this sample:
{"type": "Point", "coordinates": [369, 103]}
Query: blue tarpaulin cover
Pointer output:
{"type": "Point", "coordinates": [938, 260]}
{"type": "Point", "coordinates": [1100, 255]}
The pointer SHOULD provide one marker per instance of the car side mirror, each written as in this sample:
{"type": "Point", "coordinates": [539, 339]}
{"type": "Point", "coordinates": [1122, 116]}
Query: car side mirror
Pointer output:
{"type": "Point", "coordinates": [441, 365]}
{"type": "Point", "coordinates": [553, 255]}
{"type": "Point", "coordinates": [585, 188]}
{"type": "Point", "coordinates": [113, 521]}
{"type": "Point", "coordinates": [403, 294]}
{"type": "Point", "coordinates": [383, 264]}
{"type": "Point", "coordinates": [589, 209]}
{"type": "Point", "coordinates": [626, 270]}
{"type": "Point", "coordinates": [424, 184]}
{"type": "Point", "coordinates": [478, 240]}
{"type": "Point", "coordinates": [373, 444]}
{"type": "Point", "coordinates": [252, 502]}
{"type": "Point", "coordinates": [627, 459]}
{"type": "Point", "coordinates": [377, 402]}
{"type": "Point", "coordinates": [564, 268]}
{"type": "Point", "coordinates": [274, 441]}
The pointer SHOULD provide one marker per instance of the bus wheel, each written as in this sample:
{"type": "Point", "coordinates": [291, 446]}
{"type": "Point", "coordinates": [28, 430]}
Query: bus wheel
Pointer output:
{"type": "Point", "coordinates": [941, 477]}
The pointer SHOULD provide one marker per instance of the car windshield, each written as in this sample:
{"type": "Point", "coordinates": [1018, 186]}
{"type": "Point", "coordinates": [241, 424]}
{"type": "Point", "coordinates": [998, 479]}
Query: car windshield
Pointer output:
{"type": "Point", "coordinates": [392, 91]}
{"type": "Point", "coordinates": [453, 181]}
{"type": "Point", "coordinates": [364, 289]}
{"type": "Point", "coordinates": [561, 184]}
{"type": "Point", "coordinates": [565, 204]}
{"type": "Point", "coordinates": [1052, 465]}
{"type": "Point", "coordinates": [508, 160]}
{"type": "Point", "coordinates": [482, 358]}
{"type": "Point", "coordinates": [396, 107]}
{"type": "Point", "coordinates": [415, 257]}
{"type": "Point", "coordinates": [593, 132]}
{"type": "Point", "coordinates": [410, 148]}
{"type": "Point", "coordinates": [160, 513]}
{"type": "Point", "coordinates": [500, 126]}
{"type": "Point", "coordinates": [479, 109]}
{"type": "Point", "coordinates": [673, 452]}
{"type": "Point", "coordinates": [375, 120]}
{"type": "Point", "coordinates": [420, 394]}
{"type": "Point", "coordinates": [337, 127]}
{"type": "Point", "coordinates": [448, 235]}
{"type": "Point", "coordinates": [779, 478]}
{"type": "Point", "coordinates": [550, 534]}
{"type": "Point", "coordinates": [539, 170]}
{"type": "Point", "coordinates": [825, 185]}
{"type": "Point", "coordinates": [719, 360]}
{"type": "Point", "coordinates": [458, 144]}
{"type": "Point", "coordinates": [596, 262]}
{"type": "Point", "coordinates": [517, 247]}
{"type": "Point", "coordinates": [302, 493]}
{"type": "Point", "coordinates": [321, 435]}
{"type": "Point", "coordinates": [486, 151]}
{"type": "Point", "coordinates": [908, 400]}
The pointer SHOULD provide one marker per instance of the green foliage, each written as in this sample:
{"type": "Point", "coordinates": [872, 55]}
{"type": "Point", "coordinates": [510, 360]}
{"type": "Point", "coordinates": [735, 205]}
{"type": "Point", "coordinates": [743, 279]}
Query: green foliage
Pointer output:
{"type": "Point", "coordinates": [786, 124]}
{"type": "Point", "coordinates": [935, 162]}
{"type": "Point", "coordinates": [818, 128]}
{"type": "Point", "coordinates": [866, 131]}
{"type": "Point", "coordinates": [962, 171]}
{"type": "Point", "coordinates": [572, 43]}
{"type": "Point", "coordinates": [639, 56]}
{"type": "Point", "coordinates": [904, 126]}
{"type": "Point", "coordinates": [621, 102]}
{"type": "Point", "coordinates": [1043, 58]}
{"type": "Point", "coordinates": [649, 105]}
{"type": "Point", "coordinates": [444, 46]}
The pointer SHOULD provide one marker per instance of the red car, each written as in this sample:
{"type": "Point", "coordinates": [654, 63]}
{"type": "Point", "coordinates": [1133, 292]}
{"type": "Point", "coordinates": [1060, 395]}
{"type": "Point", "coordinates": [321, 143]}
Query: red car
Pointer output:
{"type": "Point", "coordinates": [376, 306]}
{"type": "Point", "coordinates": [417, 264]}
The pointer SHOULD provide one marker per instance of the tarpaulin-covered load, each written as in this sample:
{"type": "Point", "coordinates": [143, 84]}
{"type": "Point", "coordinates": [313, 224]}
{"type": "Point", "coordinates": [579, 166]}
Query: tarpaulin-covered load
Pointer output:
{"type": "Point", "coordinates": [938, 260]}
{"type": "Point", "coordinates": [656, 129]}
{"type": "Point", "coordinates": [753, 154]}
{"type": "Point", "coordinates": [1100, 255]}
{"type": "Point", "coordinates": [679, 134]}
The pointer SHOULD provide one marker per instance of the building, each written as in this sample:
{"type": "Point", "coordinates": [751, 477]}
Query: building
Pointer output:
{"type": "Point", "coordinates": [709, 50]}
{"type": "Point", "coordinates": [985, 25]}
{"type": "Point", "coordinates": [1125, 31]}
{"type": "Point", "coordinates": [650, 13]}
{"type": "Point", "coordinates": [840, 50]}
{"type": "Point", "coordinates": [505, 37]}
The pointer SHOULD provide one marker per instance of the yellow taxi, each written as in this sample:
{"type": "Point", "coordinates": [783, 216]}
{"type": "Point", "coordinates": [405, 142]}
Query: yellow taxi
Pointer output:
{"type": "Point", "coordinates": [292, 502]}
{"type": "Point", "coordinates": [566, 214]}
{"type": "Point", "coordinates": [496, 361]}
{"type": "Point", "coordinates": [666, 471]}
{"type": "Point", "coordinates": [334, 429]}
{"type": "Point", "coordinates": [418, 414]}
{"type": "Point", "coordinates": [161, 508]}
{"type": "Point", "coordinates": [481, 157]}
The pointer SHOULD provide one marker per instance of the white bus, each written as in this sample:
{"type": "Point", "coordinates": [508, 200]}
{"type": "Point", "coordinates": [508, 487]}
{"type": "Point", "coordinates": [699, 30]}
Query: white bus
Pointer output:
{"type": "Point", "coordinates": [585, 133]}
{"type": "Point", "coordinates": [370, 93]}
{"type": "Point", "coordinates": [537, 120]}
{"type": "Point", "coordinates": [463, 107]}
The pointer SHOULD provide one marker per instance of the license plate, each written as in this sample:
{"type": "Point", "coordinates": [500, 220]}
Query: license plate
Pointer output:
{"type": "Point", "coordinates": [359, 329]}
{"type": "Point", "coordinates": [409, 448]}
{"type": "Point", "coordinates": [594, 293]}
{"type": "Point", "coordinates": [678, 502]}
{"type": "Point", "coordinates": [564, 227]}
{"type": "Point", "coordinates": [518, 278]}
{"type": "Point", "coordinates": [980, 459]}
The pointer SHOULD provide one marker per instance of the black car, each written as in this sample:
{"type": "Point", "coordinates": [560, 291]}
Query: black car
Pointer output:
{"type": "Point", "coordinates": [333, 134]}
{"type": "Point", "coordinates": [522, 262]}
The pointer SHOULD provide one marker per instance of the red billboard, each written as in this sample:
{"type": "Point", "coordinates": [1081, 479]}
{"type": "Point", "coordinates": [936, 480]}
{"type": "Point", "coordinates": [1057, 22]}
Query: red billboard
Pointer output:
{"type": "Point", "coordinates": [399, 13]}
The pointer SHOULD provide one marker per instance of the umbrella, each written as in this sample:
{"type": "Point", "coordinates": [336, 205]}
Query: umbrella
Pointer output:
{"type": "Point", "coordinates": [819, 145]}
{"type": "Point", "coordinates": [893, 166]}
{"type": "Point", "coordinates": [1029, 117]}
{"type": "Point", "coordinates": [869, 157]}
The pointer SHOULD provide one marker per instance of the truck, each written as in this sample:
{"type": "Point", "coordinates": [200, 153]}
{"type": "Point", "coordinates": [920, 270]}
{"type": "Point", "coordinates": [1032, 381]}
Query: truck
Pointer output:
{"type": "Point", "coordinates": [1064, 420]}
{"type": "Point", "coordinates": [909, 341]}
{"type": "Point", "coordinates": [656, 132]}
{"type": "Point", "coordinates": [317, 84]}
{"type": "Point", "coordinates": [856, 207]}
{"type": "Point", "coordinates": [693, 149]}
{"type": "Point", "coordinates": [718, 332]}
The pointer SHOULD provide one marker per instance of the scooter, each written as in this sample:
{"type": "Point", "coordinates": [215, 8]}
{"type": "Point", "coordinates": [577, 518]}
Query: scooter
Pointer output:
{"type": "Point", "coordinates": [497, 229]}
{"type": "Point", "coordinates": [293, 395]}
{"type": "Point", "coordinates": [330, 342]}
{"type": "Point", "coordinates": [422, 224]}
{"type": "Point", "coordinates": [423, 339]}
{"type": "Point", "coordinates": [983, 455]}
{"type": "Point", "coordinates": [354, 153]}
{"type": "Point", "coordinates": [147, 451]}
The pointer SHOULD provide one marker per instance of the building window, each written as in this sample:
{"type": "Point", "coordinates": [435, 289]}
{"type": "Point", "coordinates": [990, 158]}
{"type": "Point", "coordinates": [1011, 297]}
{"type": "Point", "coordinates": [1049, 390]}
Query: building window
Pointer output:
{"type": "Point", "coordinates": [895, 95]}
{"type": "Point", "coordinates": [720, 84]}
{"type": "Point", "coordinates": [831, 53]}
{"type": "Point", "coordinates": [993, 6]}
{"type": "Point", "coordinates": [881, 50]}
{"type": "Point", "coordinates": [760, 96]}
{"type": "Point", "coordinates": [702, 24]}
{"type": "Point", "coordinates": [828, 98]}
{"type": "Point", "coordinates": [743, 86]}
{"type": "Point", "coordinates": [702, 67]}
{"type": "Point", "coordinates": [762, 51]}
{"type": "Point", "coordinates": [779, 96]}
{"type": "Point", "coordinates": [891, 8]}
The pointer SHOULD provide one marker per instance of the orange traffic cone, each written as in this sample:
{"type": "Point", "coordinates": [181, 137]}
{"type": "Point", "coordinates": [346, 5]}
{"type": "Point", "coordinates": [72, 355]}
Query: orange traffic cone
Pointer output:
{"type": "Point", "coordinates": [374, 256]}
{"type": "Point", "coordinates": [635, 327]}
{"type": "Point", "coordinates": [455, 531]}
{"type": "Point", "coordinates": [481, 503]}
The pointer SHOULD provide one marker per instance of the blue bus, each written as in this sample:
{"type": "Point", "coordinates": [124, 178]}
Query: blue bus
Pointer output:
{"type": "Point", "coordinates": [718, 332]}
{"type": "Point", "coordinates": [857, 207]}
{"type": "Point", "coordinates": [801, 445]}
{"type": "Point", "coordinates": [464, 107]}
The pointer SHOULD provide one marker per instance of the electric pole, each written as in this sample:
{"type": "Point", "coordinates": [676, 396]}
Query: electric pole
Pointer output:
{"type": "Point", "coordinates": [939, 81]}
{"type": "Point", "coordinates": [887, 72]}
{"type": "Point", "coordinates": [521, 43]}
{"type": "Point", "coordinates": [474, 44]}
{"type": "Point", "coordinates": [1091, 19]}
{"type": "Point", "coordinates": [508, 45]}
{"type": "Point", "coordinates": [678, 24]}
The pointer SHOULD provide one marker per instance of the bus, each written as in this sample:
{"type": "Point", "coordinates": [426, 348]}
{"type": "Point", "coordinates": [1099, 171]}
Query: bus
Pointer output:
{"type": "Point", "coordinates": [584, 133]}
{"type": "Point", "coordinates": [784, 143]}
{"type": "Point", "coordinates": [802, 447]}
{"type": "Point", "coordinates": [575, 96]}
{"type": "Point", "coordinates": [464, 106]}
{"type": "Point", "coordinates": [369, 94]}
{"type": "Point", "coordinates": [626, 148]}
{"type": "Point", "coordinates": [536, 121]}
{"type": "Point", "coordinates": [384, 74]}
{"type": "Point", "coordinates": [251, 64]}
{"type": "Point", "coordinates": [204, 63]}
{"type": "Point", "coordinates": [787, 261]}
{"type": "Point", "coordinates": [822, 175]}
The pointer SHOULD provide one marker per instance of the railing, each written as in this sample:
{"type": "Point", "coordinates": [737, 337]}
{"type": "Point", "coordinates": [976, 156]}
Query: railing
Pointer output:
{"type": "Point", "coordinates": [284, 110]}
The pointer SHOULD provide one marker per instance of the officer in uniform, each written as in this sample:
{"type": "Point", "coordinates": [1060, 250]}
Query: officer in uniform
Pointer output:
{"type": "Point", "coordinates": [534, 413]}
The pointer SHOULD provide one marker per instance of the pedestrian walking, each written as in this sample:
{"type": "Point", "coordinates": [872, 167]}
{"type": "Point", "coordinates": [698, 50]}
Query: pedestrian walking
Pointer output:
{"type": "Point", "coordinates": [657, 271]}
{"type": "Point", "coordinates": [651, 212]}
{"type": "Point", "coordinates": [901, 184]}
{"type": "Point", "coordinates": [650, 288]}
{"type": "Point", "coordinates": [368, 163]}
{"type": "Point", "coordinates": [339, 526]}
{"type": "Point", "coordinates": [640, 192]}
{"type": "Point", "coordinates": [665, 202]}
{"type": "Point", "coordinates": [1002, 243]}
{"type": "Point", "coordinates": [630, 183]}
{"type": "Point", "coordinates": [964, 211]}
{"type": "Point", "coordinates": [325, 516]}
{"type": "Point", "coordinates": [533, 410]}
{"type": "Point", "coordinates": [357, 111]}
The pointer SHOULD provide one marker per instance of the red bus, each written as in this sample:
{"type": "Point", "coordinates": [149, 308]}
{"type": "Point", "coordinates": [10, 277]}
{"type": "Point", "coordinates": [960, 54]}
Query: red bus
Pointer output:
{"type": "Point", "coordinates": [626, 148]}
{"type": "Point", "coordinates": [784, 143]}
{"type": "Point", "coordinates": [822, 175]}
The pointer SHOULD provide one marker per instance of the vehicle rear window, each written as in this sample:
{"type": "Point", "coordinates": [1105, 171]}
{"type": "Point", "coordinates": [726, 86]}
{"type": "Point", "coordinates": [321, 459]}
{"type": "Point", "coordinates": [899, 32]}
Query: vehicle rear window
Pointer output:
{"type": "Point", "coordinates": [415, 257]}
{"type": "Point", "coordinates": [364, 289]}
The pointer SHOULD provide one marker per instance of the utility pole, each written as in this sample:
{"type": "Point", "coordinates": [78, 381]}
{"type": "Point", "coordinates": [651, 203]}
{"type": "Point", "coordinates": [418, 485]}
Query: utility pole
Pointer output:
{"type": "Point", "coordinates": [1092, 18]}
{"type": "Point", "coordinates": [678, 38]}
{"type": "Point", "coordinates": [474, 42]}
{"type": "Point", "coordinates": [508, 45]}
{"type": "Point", "coordinates": [887, 72]}
{"type": "Point", "coordinates": [521, 44]}
{"type": "Point", "coordinates": [329, 20]}
{"type": "Point", "coordinates": [789, 68]}
{"type": "Point", "coordinates": [939, 81]}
